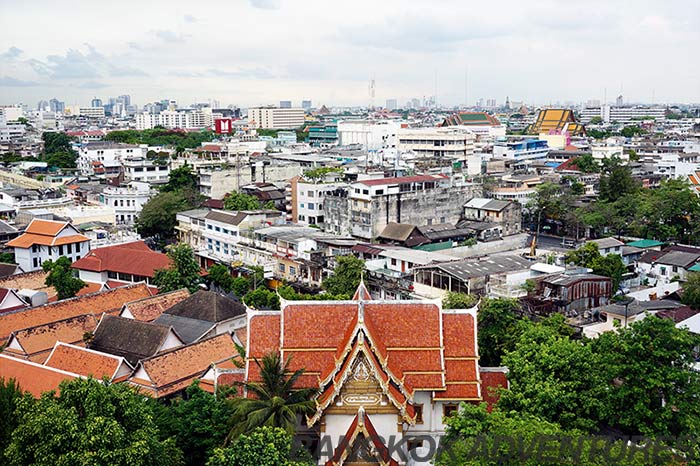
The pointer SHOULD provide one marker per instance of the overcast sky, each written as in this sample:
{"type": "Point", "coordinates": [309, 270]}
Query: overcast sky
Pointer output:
{"type": "Point", "coordinates": [251, 52]}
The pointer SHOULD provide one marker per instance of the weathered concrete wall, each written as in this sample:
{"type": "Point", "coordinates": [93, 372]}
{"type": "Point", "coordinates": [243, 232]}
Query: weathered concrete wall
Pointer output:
{"type": "Point", "coordinates": [508, 243]}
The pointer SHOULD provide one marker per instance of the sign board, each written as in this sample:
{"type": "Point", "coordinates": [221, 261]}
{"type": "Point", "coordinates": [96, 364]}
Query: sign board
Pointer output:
{"type": "Point", "coordinates": [223, 126]}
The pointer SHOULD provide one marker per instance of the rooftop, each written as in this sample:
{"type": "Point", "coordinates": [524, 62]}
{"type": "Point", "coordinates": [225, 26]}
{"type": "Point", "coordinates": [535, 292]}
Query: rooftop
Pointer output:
{"type": "Point", "coordinates": [208, 306]}
{"type": "Point", "coordinates": [150, 308]}
{"type": "Point", "coordinates": [130, 258]}
{"type": "Point", "coordinates": [470, 268]}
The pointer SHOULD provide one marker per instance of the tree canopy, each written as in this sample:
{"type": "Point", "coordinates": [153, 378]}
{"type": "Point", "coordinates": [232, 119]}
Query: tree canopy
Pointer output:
{"type": "Point", "coordinates": [58, 150]}
{"type": "Point", "coordinates": [61, 277]}
{"type": "Point", "coordinates": [89, 423]}
{"type": "Point", "coordinates": [240, 201]}
{"type": "Point", "coordinates": [346, 276]}
{"type": "Point", "coordinates": [691, 290]}
{"type": "Point", "coordinates": [264, 446]}
{"type": "Point", "coordinates": [162, 137]}
{"type": "Point", "coordinates": [610, 265]}
{"type": "Point", "coordinates": [183, 273]}
{"type": "Point", "coordinates": [453, 300]}
{"type": "Point", "coordinates": [158, 216]}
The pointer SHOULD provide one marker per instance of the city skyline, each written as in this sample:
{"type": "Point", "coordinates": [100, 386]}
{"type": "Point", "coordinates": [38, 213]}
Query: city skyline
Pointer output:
{"type": "Point", "coordinates": [259, 52]}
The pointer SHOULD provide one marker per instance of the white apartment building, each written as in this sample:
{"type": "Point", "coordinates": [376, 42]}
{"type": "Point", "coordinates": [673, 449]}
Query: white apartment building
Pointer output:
{"type": "Point", "coordinates": [623, 115]}
{"type": "Point", "coordinates": [450, 143]}
{"type": "Point", "coordinates": [11, 112]}
{"type": "Point", "coordinates": [142, 169]}
{"type": "Point", "coordinates": [523, 151]}
{"type": "Point", "coordinates": [184, 118]}
{"type": "Point", "coordinates": [127, 201]}
{"type": "Point", "coordinates": [307, 201]}
{"type": "Point", "coordinates": [10, 131]}
{"type": "Point", "coordinates": [217, 182]}
{"type": "Point", "coordinates": [92, 112]}
{"type": "Point", "coordinates": [275, 118]}
{"type": "Point", "coordinates": [100, 158]}
{"type": "Point", "coordinates": [372, 135]}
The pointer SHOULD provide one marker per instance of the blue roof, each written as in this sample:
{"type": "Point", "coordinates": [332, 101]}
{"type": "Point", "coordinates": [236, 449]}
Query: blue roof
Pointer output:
{"type": "Point", "coordinates": [645, 243]}
{"type": "Point", "coordinates": [695, 268]}
{"type": "Point", "coordinates": [553, 164]}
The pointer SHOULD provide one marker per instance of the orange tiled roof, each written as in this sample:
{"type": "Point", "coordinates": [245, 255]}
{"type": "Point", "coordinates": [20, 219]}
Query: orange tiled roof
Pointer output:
{"type": "Point", "coordinates": [37, 342]}
{"type": "Point", "coordinates": [45, 227]}
{"type": "Point", "coordinates": [26, 240]}
{"type": "Point", "coordinates": [96, 304]}
{"type": "Point", "coordinates": [174, 370]}
{"type": "Point", "coordinates": [32, 377]}
{"type": "Point", "coordinates": [85, 362]}
{"type": "Point", "coordinates": [133, 258]}
{"type": "Point", "coordinates": [148, 309]}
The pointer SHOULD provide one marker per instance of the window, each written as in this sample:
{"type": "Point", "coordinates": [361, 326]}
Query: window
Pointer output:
{"type": "Point", "coordinates": [111, 274]}
{"type": "Point", "coordinates": [292, 270]}
{"type": "Point", "coordinates": [365, 191]}
{"type": "Point", "coordinates": [69, 248]}
{"type": "Point", "coordinates": [217, 228]}
{"type": "Point", "coordinates": [447, 410]}
{"type": "Point", "coordinates": [393, 261]}
{"type": "Point", "coordinates": [379, 192]}
{"type": "Point", "coordinates": [35, 263]}
{"type": "Point", "coordinates": [208, 227]}
{"type": "Point", "coordinates": [281, 268]}
{"type": "Point", "coordinates": [419, 413]}
{"type": "Point", "coordinates": [60, 250]}
{"type": "Point", "coordinates": [312, 206]}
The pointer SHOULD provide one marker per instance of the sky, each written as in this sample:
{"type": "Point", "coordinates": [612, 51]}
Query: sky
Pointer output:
{"type": "Point", "coordinates": [257, 52]}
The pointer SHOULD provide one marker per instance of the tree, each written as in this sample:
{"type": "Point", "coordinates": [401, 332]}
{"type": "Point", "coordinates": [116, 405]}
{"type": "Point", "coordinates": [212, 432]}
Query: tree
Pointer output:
{"type": "Point", "coordinates": [317, 174]}
{"type": "Point", "coordinates": [219, 275]}
{"type": "Point", "coordinates": [609, 266]}
{"type": "Point", "coordinates": [498, 329]}
{"type": "Point", "coordinates": [587, 164]}
{"type": "Point", "coordinates": [264, 446]}
{"type": "Point", "coordinates": [691, 290]}
{"type": "Point", "coordinates": [184, 182]}
{"type": "Point", "coordinates": [616, 181]}
{"type": "Point", "coordinates": [55, 143]}
{"type": "Point", "coordinates": [554, 378]}
{"type": "Point", "coordinates": [239, 201]}
{"type": "Point", "coordinates": [61, 278]}
{"type": "Point", "coordinates": [650, 385]}
{"type": "Point", "coordinates": [7, 258]}
{"type": "Point", "coordinates": [275, 401]}
{"type": "Point", "coordinates": [632, 131]}
{"type": "Point", "coordinates": [196, 422]}
{"type": "Point", "coordinates": [240, 286]}
{"type": "Point", "coordinates": [346, 276]}
{"type": "Point", "coordinates": [61, 159]}
{"type": "Point", "coordinates": [158, 215]}
{"type": "Point", "coordinates": [89, 423]}
{"type": "Point", "coordinates": [183, 273]}
{"type": "Point", "coordinates": [670, 213]}
{"type": "Point", "coordinates": [10, 396]}
{"type": "Point", "coordinates": [262, 298]}
{"type": "Point", "coordinates": [596, 120]}
{"type": "Point", "coordinates": [453, 300]}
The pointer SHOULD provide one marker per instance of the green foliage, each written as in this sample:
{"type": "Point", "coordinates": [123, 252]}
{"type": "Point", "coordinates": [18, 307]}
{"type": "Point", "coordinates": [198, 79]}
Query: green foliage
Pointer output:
{"type": "Point", "coordinates": [288, 293]}
{"type": "Point", "coordinates": [184, 181]}
{"type": "Point", "coordinates": [691, 290]}
{"type": "Point", "coordinates": [161, 137]}
{"type": "Point", "coordinates": [61, 160]}
{"type": "Point", "coordinates": [240, 286]}
{"type": "Point", "coordinates": [239, 201]}
{"type": "Point", "coordinates": [632, 131]}
{"type": "Point", "coordinates": [554, 378]}
{"type": "Point", "coordinates": [318, 174]}
{"type": "Point", "coordinates": [650, 387]}
{"type": "Point", "coordinates": [7, 258]}
{"type": "Point", "coordinates": [669, 213]}
{"type": "Point", "coordinates": [262, 298]}
{"type": "Point", "coordinates": [587, 164]}
{"type": "Point", "coordinates": [195, 422]}
{"type": "Point", "coordinates": [616, 181]}
{"type": "Point", "coordinates": [183, 273]}
{"type": "Point", "coordinates": [89, 423]}
{"type": "Point", "coordinates": [158, 216]}
{"type": "Point", "coordinates": [596, 120]}
{"type": "Point", "coordinates": [346, 276]}
{"type": "Point", "coordinates": [453, 300]}
{"type": "Point", "coordinates": [61, 278]}
{"type": "Point", "coordinates": [529, 286]}
{"type": "Point", "coordinates": [264, 446]}
{"type": "Point", "coordinates": [267, 132]}
{"type": "Point", "coordinates": [598, 134]}
{"type": "Point", "coordinates": [220, 276]}
{"type": "Point", "coordinates": [58, 151]}
{"type": "Point", "coordinates": [275, 403]}
{"type": "Point", "coordinates": [498, 329]}
{"type": "Point", "coordinates": [575, 186]}
{"type": "Point", "coordinates": [10, 396]}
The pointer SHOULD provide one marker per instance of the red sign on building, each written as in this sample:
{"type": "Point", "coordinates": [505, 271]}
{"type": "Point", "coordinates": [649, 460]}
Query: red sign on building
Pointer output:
{"type": "Point", "coordinates": [223, 125]}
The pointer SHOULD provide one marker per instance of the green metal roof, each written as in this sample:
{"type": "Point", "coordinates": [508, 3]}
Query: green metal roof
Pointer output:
{"type": "Point", "coordinates": [645, 243]}
{"type": "Point", "coordinates": [695, 268]}
{"type": "Point", "coordinates": [435, 246]}
{"type": "Point", "coordinates": [472, 116]}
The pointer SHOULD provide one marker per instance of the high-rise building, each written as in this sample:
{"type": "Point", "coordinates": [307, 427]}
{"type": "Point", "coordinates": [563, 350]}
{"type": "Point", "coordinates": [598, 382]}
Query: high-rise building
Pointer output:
{"type": "Point", "coordinates": [42, 105]}
{"type": "Point", "coordinates": [96, 102]}
{"type": "Point", "coordinates": [285, 104]}
{"type": "Point", "coordinates": [124, 99]}
{"type": "Point", "coordinates": [276, 118]}
{"type": "Point", "coordinates": [57, 106]}
{"type": "Point", "coordinates": [306, 104]}
{"type": "Point", "coordinates": [391, 104]}
{"type": "Point", "coordinates": [619, 102]}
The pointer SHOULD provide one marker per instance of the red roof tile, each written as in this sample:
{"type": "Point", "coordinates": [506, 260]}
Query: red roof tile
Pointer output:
{"type": "Point", "coordinates": [83, 361]}
{"type": "Point", "coordinates": [150, 308]}
{"type": "Point", "coordinates": [131, 258]}
{"type": "Point", "coordinates": [32, 377]}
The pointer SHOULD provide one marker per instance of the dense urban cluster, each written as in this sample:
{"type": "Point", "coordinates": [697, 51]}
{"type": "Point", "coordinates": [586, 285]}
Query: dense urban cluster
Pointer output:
{"type": "Point", "coordinates": [400, 284]}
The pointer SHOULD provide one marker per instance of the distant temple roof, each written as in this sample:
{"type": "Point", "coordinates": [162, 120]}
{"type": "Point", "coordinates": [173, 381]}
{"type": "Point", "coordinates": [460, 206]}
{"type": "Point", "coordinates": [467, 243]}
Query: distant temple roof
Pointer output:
{"type": "Point", "coordinates": [556, 120]}
{"type": "Point", "coordinates": [471, 119]}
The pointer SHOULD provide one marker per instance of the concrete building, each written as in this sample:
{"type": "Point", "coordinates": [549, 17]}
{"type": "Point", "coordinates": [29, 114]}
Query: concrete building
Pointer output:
{"type": "Point", "coordinates": [127, 201]}
{"type": "Point", "coordinates": [46, 239]}
{"type": "Point", "coordinates": [446, 143]}
{"type": "Point", "coordinates": [275, 118]}
{"type": "Point", "coordinates": [507, 214]}
{"type": "Point", "coordinates": [366, 207]}
{"type": "Point", "coordinates": [308, 199]}
{"type": "Point", "coordinates": [523, 151]}
{"type": "Point", "coordinates": [97, 158]}
{"type": "Point", "coordinates": [217, 182]}
{"type": "Point", "coordinates": [372, 135]}
{"type": "Point", "coordinates": [623, 115]}
{"type": "Point", "coordinates": [138, 168]}
{"type": "Point", "coordinates": [92, 112]}
{"type": "Point", "coordinates": [182, 118]}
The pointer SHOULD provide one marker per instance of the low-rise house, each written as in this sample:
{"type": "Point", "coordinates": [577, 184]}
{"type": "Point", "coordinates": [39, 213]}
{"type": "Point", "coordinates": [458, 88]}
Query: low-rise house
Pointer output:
{"type": "Point", "coordinates": [622, 314]}
{"type": "Point", "coordinates": [93, 303]}
{"type": "Point", "coordinates": [172, 371]}
{"type": "Point", "coordinates": [88, 363]}
{"type": "Point", "coordinates": [123, 263]}
{"type": "Point", "coordinates": [471, 276]}
{"type": "Point", "coordinates": [132, 339]}
{"type": "Point", "coordinates": [507, 214]}
{"type": "Point", "coordinates": [608, 245]}
{"type": "Point", "coordinates": [403, 234]}
{"type": "Point", "coordinates": [574, 291]}
{"type": "Point", "coordinates": [10, 301]}
{"type": "Point", "coordinates": [150, 308]}
{"type": "Point", "coordinates": [46, 239]}
{"type": "Point", "coordinates": [672, 262]}
{"type": "Point", "coordinates": [35, 343]}
{"type": "Point", "coordinates": [204, 314]}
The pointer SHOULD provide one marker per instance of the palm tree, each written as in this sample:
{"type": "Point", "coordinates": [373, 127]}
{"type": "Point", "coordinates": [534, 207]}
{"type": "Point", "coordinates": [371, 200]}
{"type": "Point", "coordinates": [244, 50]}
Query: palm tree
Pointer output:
{"type": "Point", "coordinates": [274, 401]}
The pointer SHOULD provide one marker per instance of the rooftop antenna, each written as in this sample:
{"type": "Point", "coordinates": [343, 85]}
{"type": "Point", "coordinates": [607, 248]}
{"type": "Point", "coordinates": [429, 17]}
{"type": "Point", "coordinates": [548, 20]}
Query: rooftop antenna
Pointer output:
{"type": "Point", "coordinates": [371, 92]}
